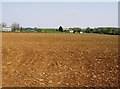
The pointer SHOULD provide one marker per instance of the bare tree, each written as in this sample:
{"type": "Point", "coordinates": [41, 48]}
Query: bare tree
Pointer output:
{"type": "Point", "coordinates": [15, 27]}
{"type": "Point", "coordinates": [4, 24]}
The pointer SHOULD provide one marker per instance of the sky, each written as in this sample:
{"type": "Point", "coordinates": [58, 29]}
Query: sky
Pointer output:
{"type": "Point", "coordinates": [66, 14]}
{"type": "Point", "coordinates": [119, 14]}
{"type": "Point", "coordinates": [59, 0]}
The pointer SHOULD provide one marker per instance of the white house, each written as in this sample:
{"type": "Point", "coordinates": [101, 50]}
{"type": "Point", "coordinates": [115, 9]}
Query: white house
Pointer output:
{"type": "Point", "coordinates": [6, 29]}
{"type": "Point", "coordinates": [81, 32]}
{"type": "Point", "coordinates": [71, 31]}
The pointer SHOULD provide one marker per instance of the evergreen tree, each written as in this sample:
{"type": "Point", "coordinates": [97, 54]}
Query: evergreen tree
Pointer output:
{"type": "Point", "coordinates": [61, 29]}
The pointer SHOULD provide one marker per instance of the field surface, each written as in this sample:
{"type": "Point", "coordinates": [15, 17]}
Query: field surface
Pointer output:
{"type": "Point", "coordinates": [59, 60]}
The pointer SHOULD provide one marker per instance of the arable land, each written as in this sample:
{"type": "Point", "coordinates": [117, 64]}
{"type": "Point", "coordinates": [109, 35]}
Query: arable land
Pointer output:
{"type": "Point", "coordinates": [59, 60]}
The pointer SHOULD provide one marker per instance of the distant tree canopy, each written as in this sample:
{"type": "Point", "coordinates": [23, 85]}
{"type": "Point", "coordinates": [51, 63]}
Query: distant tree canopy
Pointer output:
{"type": "Point", "coordinates": [61, 29]}
{"type": "Point", "coordinates": [104, 30]}
{"type": "Point", "coordinates": [88, 30]}
{"type": "Point", "coordinates": [76, 29]}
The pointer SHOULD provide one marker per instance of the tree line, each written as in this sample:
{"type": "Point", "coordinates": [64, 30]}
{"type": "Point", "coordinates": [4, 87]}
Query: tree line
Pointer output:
{"type": "Point", "coordinates": [101, 30]}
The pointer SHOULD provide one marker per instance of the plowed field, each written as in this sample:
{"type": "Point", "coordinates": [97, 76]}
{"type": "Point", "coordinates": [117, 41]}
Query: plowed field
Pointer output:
{"type": "Point", "coordinates": [59, 60]}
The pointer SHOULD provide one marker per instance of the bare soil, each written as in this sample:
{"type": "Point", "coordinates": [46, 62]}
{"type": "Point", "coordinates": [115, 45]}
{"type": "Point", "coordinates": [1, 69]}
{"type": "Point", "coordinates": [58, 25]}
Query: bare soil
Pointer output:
{"type": "Point", "coordinates": [59, 60]}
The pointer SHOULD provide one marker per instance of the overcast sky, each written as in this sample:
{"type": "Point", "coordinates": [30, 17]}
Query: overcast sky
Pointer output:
{"type": "Point", "coordinates": [66, 14]}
